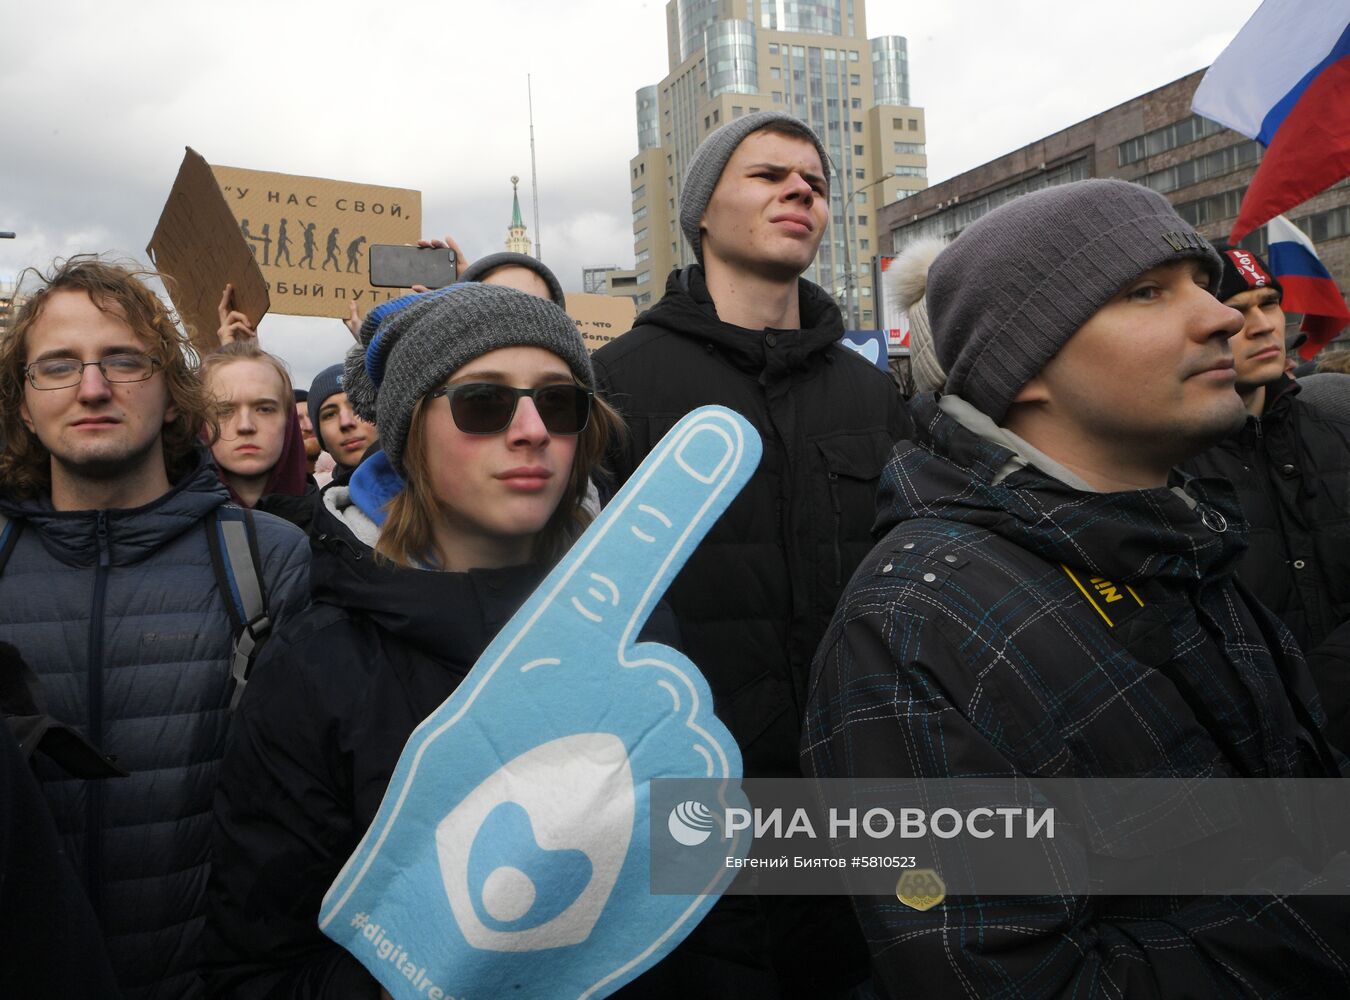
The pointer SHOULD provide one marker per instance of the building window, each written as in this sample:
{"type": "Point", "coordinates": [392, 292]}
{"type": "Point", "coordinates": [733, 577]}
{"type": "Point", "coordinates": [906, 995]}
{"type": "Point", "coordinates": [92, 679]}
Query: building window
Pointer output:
{"type": "Point", "coordinates": [855, 103]}
{"type": "Point", "coordinates": [862, 220]}
{"type": "Point", "coordinates": [857, 151]}
{"type": "Point", "coordinates": [773, 48]}
{"type": "Point", "coordinates": [911, 172]}
{"type": "Point", "coordinates": [775, 73]}
{"type": "Point", "coordinates": [642, 299]}
{"type": "Point", "coordinates": [852, 55]}
{"type": "Point", "coordinates": [643, 255]}
{"type": "Point", "coordinates": [860, 173]}
{"type": "Point", "coordinates": [639, 192]}
{"type": "Point", "coordinates": [857, 126]}
{"type": "Point", "coordinates": [644, 277]}
{"type": "Point", "coordinates": [864, 244]}
{"type": "Point", "coordinates": [736, 112]}
{"type": "Point", "coordinates": [640, 213]}
{"type": "Point", "coordinates": [1329, 225]}
{"type": "Point", "coordinates": [855, 79]}
{"type": "Point", "coordinates": [1215, 164]}
{"type": "Point", "coordinates": [914, 124]}
{"type": "Point", "coordinates": [910, 148]}
{"type": "Point", "coordinates": [898, 124]}
{"type": "Point", "coordinates": [639, 236]}
{"type": "Point", "coordinates": [777, 97]}
{"type": "Point", "coordinates": [861, 197]}
{"type": "Point", "coordinates": [1160, 140]}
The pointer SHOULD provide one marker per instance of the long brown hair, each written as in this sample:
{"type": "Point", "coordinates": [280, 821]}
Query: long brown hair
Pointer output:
{"type": "Point", "coordinates": [25, 465]}
{"type": "Point", "coordinates": [407, 537]}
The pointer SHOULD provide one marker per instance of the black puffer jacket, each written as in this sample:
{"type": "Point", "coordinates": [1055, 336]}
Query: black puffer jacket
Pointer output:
{"type": "Point", "coordinates": [332, 702]}
{"type": "Point", "coordinates": [1291, 469]}
{"type": "Point", "coordinates": [964, 647]}
{"type": "Point", "coordinates": [754, 599]}
{"type": "Point", "coordinates": [119, 614]}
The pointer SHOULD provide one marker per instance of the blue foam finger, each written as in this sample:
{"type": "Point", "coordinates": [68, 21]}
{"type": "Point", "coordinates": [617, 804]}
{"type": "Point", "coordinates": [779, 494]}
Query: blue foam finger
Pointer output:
{"type": "Point", "coordinates": [510, 853]}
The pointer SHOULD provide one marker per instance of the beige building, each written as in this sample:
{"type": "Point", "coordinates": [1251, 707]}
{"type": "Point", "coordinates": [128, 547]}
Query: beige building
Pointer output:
{"type": "Point", "coordinates": [733, 57]}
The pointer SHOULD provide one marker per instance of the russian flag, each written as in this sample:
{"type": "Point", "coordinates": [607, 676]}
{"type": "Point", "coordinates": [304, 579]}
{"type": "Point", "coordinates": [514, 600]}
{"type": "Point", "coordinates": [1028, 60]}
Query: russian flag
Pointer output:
{"type": "Point", "coordinates": [1308, 286]}
{"type": "Point", "coordinates": [1285, 82]}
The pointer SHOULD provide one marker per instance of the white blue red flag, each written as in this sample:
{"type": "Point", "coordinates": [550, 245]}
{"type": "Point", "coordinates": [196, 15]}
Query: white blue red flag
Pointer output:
{"type": "Point", "coordinates": [1308, 286]}
{"type": "Point", "coordinates": [1285, 82]}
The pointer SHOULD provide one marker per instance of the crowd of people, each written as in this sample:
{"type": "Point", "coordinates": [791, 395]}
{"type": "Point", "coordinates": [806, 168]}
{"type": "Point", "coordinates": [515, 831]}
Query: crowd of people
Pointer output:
{"type": "Point", "coordinates": [225, 602]}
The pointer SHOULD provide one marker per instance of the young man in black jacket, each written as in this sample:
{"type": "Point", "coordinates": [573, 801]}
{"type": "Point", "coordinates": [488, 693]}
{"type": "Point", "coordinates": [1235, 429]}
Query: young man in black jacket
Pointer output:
{"type": "Point", "coordinates": [742, 328]}
{"type": "Point", "coordinates": [1050, 603]}
{"type": "Point", "coordinates": [1290, 463]}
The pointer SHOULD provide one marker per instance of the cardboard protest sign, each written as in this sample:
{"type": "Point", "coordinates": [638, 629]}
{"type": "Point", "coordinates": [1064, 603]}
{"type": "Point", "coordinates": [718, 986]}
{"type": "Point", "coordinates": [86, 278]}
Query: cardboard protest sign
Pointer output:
{"type": "Point", "coordinates": [198, 246]}
{"type": "Point", "coordinates": [600, 318]}
{"type": "Point", "coordinates": [511, 855]}
{"type": "Point", "coordinates": [309, 235]}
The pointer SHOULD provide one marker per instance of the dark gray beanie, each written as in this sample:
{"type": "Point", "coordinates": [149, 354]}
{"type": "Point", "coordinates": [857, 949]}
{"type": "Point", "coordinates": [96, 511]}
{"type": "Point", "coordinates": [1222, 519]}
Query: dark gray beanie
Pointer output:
{"type": "Point", "coordinates": [710, 159]}
{"type": "Point", "coordinates": [325, 384]}
{"type": "Point", "coordinates": [407, 347]}
{"type": "Point", "coordinates": [484, 266]}
{"type": "Point", "coordinates": [1012, 289]}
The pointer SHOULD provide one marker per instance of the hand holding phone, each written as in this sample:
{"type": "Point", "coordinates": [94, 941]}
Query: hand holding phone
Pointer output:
{"type": "Point", "coordinates": [396, 266]}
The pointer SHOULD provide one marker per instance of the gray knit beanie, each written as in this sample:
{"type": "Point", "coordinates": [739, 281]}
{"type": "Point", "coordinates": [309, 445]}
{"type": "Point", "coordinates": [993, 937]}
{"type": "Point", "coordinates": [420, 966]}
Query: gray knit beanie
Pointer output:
{"type": "Point", "coordinates": [327, 383]}
{"type": "Point", "coordinates": [906, 281]}
{"type": "Point", "coordinates": [407, 347]}
{"type": "Point", "coordinates": [1019, 282]}
{"type": "Point", "coordinates": [710, 159]}
{"type": "Point", "coordinates": [484, 266]}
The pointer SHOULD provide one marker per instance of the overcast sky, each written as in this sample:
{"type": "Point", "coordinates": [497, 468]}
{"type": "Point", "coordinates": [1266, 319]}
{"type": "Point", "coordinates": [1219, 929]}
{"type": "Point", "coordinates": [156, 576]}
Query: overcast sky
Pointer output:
{"type": "Point", "coordinates": [97, 101]}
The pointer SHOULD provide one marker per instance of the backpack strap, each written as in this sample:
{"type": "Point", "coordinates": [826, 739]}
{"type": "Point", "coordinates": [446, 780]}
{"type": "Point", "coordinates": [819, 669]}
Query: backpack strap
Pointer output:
{"type": "Point", "coordinates": [9, 537]}
{"type": "Point", "coordinates": [232, 539]}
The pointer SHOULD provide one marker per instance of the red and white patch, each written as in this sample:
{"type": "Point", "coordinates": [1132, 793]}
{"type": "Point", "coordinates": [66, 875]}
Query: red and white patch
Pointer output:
{"type": "Point", "coordinates": [1250, 268]}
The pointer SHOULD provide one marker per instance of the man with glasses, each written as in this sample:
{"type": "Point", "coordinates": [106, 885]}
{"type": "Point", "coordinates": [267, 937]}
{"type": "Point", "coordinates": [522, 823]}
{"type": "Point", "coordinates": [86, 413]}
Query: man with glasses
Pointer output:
{"type": "Point", "coordinates": [108, 591]}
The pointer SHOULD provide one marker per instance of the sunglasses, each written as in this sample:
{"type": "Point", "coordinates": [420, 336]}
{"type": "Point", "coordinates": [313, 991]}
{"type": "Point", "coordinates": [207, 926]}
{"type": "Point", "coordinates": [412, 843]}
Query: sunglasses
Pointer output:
{"type": "Point", "coordinates": [488, 408]}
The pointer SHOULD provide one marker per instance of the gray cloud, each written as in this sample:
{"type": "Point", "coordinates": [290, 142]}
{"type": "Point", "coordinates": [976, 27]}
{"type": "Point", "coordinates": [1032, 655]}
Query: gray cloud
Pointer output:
{"type": "Point", "coordinates": [99, 100]}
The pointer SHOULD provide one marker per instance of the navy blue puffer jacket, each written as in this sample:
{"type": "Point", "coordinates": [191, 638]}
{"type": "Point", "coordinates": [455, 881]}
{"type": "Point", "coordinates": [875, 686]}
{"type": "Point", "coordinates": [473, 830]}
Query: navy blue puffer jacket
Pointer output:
{"type": "Point", "coordinates": [119, 614]}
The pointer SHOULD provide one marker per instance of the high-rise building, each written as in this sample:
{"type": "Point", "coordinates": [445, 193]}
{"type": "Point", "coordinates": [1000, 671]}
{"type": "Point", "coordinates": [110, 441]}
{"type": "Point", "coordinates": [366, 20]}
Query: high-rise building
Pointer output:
{"type": "Point", "coordinates": [516, 240]}
{"type": "Point", "coordinates": [729, 58]}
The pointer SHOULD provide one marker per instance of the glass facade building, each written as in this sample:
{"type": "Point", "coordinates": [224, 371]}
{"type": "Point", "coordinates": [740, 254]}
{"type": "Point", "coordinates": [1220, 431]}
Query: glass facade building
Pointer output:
{"type": "Point", "coordinates": [812, 59]}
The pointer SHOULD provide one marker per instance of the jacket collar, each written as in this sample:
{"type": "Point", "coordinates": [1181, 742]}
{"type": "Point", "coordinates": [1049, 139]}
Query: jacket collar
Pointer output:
{"type": "Point", "coordinates": [1189, 532]}
{"type": "Point", "coordinates": [450, 617]}
{"type": "Point", "coordinates": [688, 310]}
{"type": "Point", "coordinates": [131, 534]}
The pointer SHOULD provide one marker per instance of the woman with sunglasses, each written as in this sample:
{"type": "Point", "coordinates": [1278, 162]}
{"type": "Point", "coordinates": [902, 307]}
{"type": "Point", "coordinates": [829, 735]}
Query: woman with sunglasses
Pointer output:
{"type": "Point", "coordinates": [483, 396]}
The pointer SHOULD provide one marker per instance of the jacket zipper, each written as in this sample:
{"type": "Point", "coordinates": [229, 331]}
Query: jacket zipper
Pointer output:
{"type": "Point", "coordinates": [838, 523]}
{"type": "Point", "coordinates": [94, 788]}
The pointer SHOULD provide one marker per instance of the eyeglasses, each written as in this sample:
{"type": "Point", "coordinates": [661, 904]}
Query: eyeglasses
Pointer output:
{"type": "Point", "coordinates": [62, 373]}
{"type": "Point", "coordinates": [488, 408]}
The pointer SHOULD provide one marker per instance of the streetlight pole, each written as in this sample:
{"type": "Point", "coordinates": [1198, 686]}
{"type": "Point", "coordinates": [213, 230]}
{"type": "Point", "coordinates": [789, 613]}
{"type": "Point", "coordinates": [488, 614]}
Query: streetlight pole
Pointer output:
{"type": "Point", "coordinates": [851, 313]}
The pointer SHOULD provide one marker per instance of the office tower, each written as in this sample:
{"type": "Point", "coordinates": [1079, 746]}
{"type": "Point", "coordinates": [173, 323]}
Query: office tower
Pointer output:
{"type": "Point", "coordinates": [729, 58]}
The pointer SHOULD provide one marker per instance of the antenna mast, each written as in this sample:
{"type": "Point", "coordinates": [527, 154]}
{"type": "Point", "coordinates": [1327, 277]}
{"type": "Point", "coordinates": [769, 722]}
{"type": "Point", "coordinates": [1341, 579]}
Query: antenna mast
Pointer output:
{"type": "Point", "coordinates": [534, 175]}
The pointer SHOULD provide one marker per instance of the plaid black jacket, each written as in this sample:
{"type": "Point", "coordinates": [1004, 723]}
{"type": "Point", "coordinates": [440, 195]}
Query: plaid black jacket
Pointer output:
{"type": "Point", "coordinates": [964, 646]}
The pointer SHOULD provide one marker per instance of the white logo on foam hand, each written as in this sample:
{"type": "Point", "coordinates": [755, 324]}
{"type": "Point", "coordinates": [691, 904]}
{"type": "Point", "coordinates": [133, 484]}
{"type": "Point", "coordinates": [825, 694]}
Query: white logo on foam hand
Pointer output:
{"type": "Point", "coordinates": [578, 793]}
{"type": "Point", "coordinates": [690, 823]}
